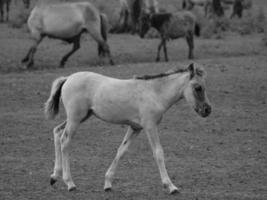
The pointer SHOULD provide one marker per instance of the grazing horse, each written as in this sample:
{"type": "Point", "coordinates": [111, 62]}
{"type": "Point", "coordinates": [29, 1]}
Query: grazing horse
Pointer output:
{"type": "Point", "coordinates": [67, 21]}
{"type": "Point", "coordinates": [130, 13]}
{"type": "Point", "coordinates": [4, 4]}
{"type": "Point", "coordinates": [171, 26]}
{"type": "Point", "coordinates": [139, 102]}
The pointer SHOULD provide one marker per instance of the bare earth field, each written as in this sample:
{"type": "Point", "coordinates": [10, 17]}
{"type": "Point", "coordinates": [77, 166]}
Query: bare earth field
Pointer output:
{"type": "Point", "coordinates": [222, 157]}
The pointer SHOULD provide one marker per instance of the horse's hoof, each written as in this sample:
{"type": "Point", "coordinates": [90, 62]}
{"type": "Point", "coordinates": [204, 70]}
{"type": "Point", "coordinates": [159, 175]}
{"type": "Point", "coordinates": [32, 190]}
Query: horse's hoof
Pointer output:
{"type": "Point", "coordinates": [24, 60]}
{"type": "Point", "coordinates": [109, 189]}
{"type": "Point", "coordinates": [30, 65]}
{"type": "Point", "coordinates": [73, 188]}
{"type": "Point", "coordinates": [52, 181]}
{"type": "Point", "coordinates": [174, 191]}
{"type": "Point", "coordinates": [111, 62]}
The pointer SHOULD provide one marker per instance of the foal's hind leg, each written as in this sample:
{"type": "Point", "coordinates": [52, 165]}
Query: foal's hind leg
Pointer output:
{"type": "Point", "coordinates": [130, 135]}
{"type": "Point", "coordinates": [58, 157]}
{"type": "Point", "coordinates": [65, 140]}
{"type": "Point", "coordinates": [76, 46]}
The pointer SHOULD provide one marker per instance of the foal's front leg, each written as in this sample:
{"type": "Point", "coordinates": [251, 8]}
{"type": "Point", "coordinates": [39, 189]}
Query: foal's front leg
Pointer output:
{"type": "Point", "coordinates": [130, 135]}
{"type": "Point", "coordinates": [152, 134]}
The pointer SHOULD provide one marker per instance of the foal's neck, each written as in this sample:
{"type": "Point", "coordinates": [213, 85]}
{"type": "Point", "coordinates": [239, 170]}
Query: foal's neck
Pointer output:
{"type": "Point", "coordinates": [170, 88]}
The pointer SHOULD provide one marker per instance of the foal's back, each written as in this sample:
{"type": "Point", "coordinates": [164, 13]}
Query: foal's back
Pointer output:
{"type": "Point", "coordinates": [110, 99]}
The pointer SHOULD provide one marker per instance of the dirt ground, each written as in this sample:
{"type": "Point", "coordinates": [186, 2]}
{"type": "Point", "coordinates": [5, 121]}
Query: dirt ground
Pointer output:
{"type": "Point", "coordinates": [222, 157]}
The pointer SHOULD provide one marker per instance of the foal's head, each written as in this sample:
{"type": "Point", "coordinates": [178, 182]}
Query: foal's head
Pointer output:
{"type": "Point", "coordinates": [195, 93]}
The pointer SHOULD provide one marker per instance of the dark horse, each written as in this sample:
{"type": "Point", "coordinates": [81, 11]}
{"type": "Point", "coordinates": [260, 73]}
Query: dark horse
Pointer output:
{"type": "Point", "coordinates": [4, 4]}
{"type": "Point", "coordinates": [171, 26]}
{"type": "Point", "coordinates": [67, 21]}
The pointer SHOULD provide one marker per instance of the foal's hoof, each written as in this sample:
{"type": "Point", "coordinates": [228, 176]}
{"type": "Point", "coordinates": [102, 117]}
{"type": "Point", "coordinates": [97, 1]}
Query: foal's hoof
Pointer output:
{"type": "Point", "coordinates": [73, 188]}
{"type": "Point", "coordinates": [52, 181]}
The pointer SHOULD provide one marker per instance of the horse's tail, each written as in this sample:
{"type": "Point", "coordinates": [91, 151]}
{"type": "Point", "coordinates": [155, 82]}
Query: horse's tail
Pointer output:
{"type": "Point", "coordinates": [52, 104]}
{"type": "Point", "coordinates": [197, 29]}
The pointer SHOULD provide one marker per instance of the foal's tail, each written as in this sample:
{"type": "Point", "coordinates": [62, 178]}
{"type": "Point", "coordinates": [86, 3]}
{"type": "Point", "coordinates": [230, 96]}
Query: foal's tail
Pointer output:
{"type": "Point", "coordinates": [52, 104]}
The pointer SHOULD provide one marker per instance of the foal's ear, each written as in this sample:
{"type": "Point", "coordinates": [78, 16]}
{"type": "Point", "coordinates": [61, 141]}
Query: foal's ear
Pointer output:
{"type": "Point", "coordinates": [197, 70]}
{"type": "Point", "coordinates": [191, 69]}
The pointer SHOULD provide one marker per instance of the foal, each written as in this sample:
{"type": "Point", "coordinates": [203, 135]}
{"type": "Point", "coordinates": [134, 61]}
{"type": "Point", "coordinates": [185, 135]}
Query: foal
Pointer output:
{"type": "Point", "coordinates": [139, 103]}
{"type": "Point", "coordinates": [170, 26]}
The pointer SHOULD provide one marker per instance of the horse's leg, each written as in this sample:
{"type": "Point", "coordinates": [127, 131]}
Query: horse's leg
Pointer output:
{"type": "Point", "coordinates": [190, 42]}
{"type": "Point", "coordinates": [126, 26]}
{"type": "Point", "coordinates": [65, 140]}
{"type": "Point", "coordinates": [159, 48]}
{"type": "Point", "coordinates": [58, 157]}
{"type": "Point", "coordinates": [30, 55]}
{"type": "Point", "coordinates": [130, 135]}
{"type": "Point", "coordinates": [95, 32]}
{"type": "Point", "coordinates": [76, 46]}
{"type": "Point", "coordinates": [2, 11]}
{"type": "Point", "coordinates": [152, 134]}
{"type": "Point", "coordinates": [165, 51]}
{"type": "Point", "coordinates": [7, 10]}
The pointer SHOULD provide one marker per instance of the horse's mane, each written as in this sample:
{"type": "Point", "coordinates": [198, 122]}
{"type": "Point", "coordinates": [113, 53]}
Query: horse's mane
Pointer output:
{"type": "Point", "coordinates": [161, 75]}
{"type": "Point", "coordinates": [198, 70]}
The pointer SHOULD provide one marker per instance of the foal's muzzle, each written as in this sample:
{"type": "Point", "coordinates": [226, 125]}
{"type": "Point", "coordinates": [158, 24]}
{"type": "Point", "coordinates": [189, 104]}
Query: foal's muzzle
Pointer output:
{"type": "Point", "coordinates": [203, 110]}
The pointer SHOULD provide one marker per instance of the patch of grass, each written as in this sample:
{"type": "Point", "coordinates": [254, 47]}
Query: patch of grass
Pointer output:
{"type": "Point", "coordinates": [215, 28]}
{"type": "Point", "coordinates": [19, 19]}
{"type": "Point", "coordinates": [252, 22]}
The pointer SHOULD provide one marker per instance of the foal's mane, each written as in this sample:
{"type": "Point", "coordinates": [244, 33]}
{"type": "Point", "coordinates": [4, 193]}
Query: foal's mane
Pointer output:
{"type": "Point", "coordinates": [161, 75]}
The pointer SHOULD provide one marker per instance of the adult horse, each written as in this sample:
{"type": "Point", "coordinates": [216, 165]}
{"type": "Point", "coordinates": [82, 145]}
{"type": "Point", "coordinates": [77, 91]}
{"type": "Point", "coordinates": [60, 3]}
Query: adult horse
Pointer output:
{"type": "Point", "coordinates": [171, 26]}
{"type": "Point", "coordinates": [139, 103]}
{"type": "Point", "coordinates": [130, 13]}
{"type": "Point", "coordinates": [4, 8]}
{"type": "Point", "coordinates": [67, 22]}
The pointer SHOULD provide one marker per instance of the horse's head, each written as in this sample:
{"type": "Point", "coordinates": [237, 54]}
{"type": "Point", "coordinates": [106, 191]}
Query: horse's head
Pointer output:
{"type": "Point", "coordinates": [144, 23]}
{"type": "Point", "coordinates": [195, 92]}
